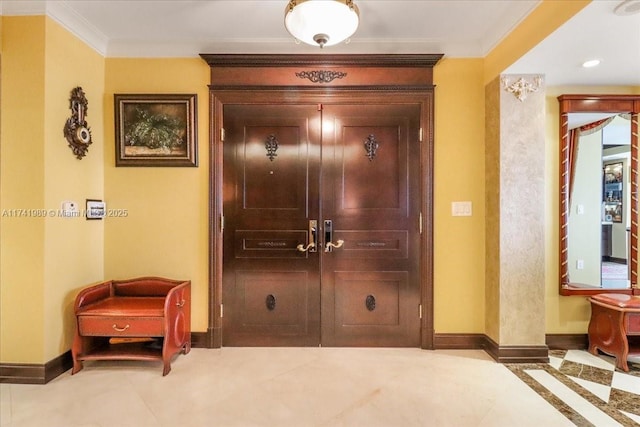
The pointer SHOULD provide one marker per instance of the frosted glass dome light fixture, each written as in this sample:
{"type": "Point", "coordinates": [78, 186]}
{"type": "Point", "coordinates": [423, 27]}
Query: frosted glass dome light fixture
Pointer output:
{"type": "Point", "coordinates": [321, 22]}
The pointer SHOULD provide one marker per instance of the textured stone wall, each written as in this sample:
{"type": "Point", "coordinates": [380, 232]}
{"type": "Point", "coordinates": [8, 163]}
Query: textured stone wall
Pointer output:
{"type": "Point", "coordinates": [515, 159]}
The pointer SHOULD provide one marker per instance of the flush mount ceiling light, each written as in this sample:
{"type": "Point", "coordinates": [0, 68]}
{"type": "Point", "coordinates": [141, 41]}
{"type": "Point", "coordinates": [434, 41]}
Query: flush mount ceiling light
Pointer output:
{"type": "Point", "coordinates": [321, 22]}
{"type": "Point", "coordinates": [627, 7]}
{"type": "Point", "coordinates": [591, 63]}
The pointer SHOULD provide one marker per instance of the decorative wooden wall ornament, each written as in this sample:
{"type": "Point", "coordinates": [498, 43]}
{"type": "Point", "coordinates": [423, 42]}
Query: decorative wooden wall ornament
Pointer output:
{"type": "Point", "coordinates": [371, 146]}
{"type": "Point", "coordinates": [272, 146]}
{"type": "Point", "coordinates": [76, 130]}
{"type": "Point", "coordinates": [321, 76]}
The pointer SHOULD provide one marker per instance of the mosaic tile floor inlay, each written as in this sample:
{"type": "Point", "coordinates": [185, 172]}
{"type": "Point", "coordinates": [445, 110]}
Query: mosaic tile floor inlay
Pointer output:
{"type": "Point", "coordinates": [585, 388]}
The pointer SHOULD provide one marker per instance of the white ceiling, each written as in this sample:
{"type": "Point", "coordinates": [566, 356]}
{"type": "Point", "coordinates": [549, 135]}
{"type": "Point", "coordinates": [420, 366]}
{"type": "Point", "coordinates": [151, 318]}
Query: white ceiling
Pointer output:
{"type": "Point", "coordinates": [470, 28]}
{"type": "Point", "coordinates": [596, 32]}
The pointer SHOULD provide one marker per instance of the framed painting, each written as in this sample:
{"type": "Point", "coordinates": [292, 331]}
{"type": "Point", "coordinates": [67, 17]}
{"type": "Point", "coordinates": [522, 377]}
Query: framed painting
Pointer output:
{"type": "Point", "coordinates": [156, 130]}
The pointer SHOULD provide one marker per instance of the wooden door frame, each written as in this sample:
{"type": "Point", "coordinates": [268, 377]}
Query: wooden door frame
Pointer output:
{"type": "Point", "coordinates": [343, 79]}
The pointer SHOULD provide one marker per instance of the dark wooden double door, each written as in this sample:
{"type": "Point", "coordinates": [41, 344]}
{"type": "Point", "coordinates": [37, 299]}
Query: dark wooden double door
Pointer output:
{"type": "Point", "coordinates": [348, 175]}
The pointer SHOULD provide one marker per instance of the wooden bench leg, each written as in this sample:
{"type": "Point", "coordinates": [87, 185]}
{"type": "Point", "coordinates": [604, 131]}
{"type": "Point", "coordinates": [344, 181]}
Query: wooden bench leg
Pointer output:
{"type": "Point", "coordinates": [606, 332]}
{"type": "Point", "coordinates": [77, 367]}
{"type": "Point", "coordinates": [76, 349]}
{"type": "Point", "coordinates": [167, 367]}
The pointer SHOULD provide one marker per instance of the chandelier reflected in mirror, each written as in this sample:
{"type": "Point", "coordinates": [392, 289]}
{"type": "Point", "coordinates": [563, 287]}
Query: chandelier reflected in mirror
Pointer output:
{"type": "Point", "coordinates": [321, 22]}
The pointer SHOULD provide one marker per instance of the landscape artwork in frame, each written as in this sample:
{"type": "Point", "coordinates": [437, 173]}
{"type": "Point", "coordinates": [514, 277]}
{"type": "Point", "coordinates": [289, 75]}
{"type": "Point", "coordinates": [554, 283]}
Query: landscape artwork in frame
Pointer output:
{"type": "Point", "coordinates": [156, 130]}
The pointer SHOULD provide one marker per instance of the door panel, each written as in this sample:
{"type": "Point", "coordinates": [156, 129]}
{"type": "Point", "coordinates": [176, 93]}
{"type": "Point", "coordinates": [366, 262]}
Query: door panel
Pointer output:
{"type": "Point", "coordinates": [273, 180]}
{"type": "Point", "coordinates": [375, 244]}
{"type": "Point", "coordinates": [268, 243]}
{"type": "Point", "coordinates": [271, 290]}
{"type": "Point", "coordinates": [371, 158]}
{"type": "Point", "coordinates": [369, 299]}
{"type": "Point", "coordinates": [263, 293]}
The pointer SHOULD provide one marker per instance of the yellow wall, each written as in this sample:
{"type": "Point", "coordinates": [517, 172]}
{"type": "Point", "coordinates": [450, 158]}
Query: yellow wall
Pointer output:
{"type": "Point", "coordinates": [74, 247]}
{"type": "Point", "coordinates": [166, 230]}
{"type": "Point", "coordinates": [45, 258]}
{"type": "Point", "coordinates": [459, 176]}
{"type": "Point", "coordinates": [22, 187]}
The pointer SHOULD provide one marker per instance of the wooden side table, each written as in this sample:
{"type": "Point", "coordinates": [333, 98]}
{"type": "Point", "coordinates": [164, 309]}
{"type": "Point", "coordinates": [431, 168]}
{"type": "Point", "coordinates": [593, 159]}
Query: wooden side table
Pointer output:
{"type": "Point", "coordinates": [615, 318]}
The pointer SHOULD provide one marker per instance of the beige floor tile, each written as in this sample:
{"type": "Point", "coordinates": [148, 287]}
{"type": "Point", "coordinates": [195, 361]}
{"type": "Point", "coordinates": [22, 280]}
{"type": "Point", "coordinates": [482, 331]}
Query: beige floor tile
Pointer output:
{"type": "Point", "coordinates": [283, 387]}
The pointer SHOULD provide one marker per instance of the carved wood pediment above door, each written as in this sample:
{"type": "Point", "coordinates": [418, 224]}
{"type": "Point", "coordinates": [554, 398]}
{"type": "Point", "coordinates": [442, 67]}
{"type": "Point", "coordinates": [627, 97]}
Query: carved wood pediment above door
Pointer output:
{"type": "Point", "coordinates": [321, 200]}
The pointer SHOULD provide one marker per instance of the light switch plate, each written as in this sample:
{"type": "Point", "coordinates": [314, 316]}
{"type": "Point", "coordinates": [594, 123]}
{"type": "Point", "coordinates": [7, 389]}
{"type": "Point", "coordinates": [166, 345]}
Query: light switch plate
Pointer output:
{"type": "Point", "coordinates": [461, 209]}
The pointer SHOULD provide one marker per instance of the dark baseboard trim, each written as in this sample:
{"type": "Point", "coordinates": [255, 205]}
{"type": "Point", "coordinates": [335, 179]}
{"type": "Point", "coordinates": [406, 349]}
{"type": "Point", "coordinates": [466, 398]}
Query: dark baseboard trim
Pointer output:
{"type": "Point", "coordinates": [22, 373]}
{"type": "Point", "coordinates": [567, 341]}
{"type": "Point", "coordinates": [458, 341]}
{"type": "Point", "coordinates": [58, 366]}
{"type": "Point", "coordinates": [205, 339]}
{"type": "Point", "coordinates": [502, 354]}
{"type": "Point", "coordinates": [517, 353]}
{"type": "Point", "coordinates": [30, 373]}
{"type": "Point", "coordinates": [200, 340]}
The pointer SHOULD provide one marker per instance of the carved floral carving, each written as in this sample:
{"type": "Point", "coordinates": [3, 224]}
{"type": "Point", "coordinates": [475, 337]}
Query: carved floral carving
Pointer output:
{"type": "Point", "coordinates": [272, 146]}
{"type": "Point", "coordinates": [371, 146]}
{"type": "Point", "coordinates": [521, 88]}
{"type": "Point", "coordinates": [321, 76]}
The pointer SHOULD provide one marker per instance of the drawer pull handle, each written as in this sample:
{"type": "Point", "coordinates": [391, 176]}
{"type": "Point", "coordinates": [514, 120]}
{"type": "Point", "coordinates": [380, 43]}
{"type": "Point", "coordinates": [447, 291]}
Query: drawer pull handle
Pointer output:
{"type": "Point", "coordinates": [180, 303]}
{"type": "Point", "coordinates": [120, 329]}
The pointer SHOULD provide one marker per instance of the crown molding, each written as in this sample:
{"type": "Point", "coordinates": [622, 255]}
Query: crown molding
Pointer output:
{"type": "Point", "coordinates": [63, 14]}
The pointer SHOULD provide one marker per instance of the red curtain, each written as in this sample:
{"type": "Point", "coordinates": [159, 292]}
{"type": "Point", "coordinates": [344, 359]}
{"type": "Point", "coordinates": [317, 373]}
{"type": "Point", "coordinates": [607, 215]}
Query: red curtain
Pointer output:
{"type": "Point", "coordinates": [574, 137]}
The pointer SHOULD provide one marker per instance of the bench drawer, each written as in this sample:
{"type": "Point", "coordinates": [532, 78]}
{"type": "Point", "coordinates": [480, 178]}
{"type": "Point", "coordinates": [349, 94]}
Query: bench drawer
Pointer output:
{"type": "Point", "coordinates": [111, 326]}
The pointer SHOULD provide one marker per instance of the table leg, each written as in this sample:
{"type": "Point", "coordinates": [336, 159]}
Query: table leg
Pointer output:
{"type": "Point", "coordinates": [606, 333]}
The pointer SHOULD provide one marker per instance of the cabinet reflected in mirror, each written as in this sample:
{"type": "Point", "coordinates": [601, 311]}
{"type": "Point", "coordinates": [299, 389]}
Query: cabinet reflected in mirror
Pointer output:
{"type": "Point", "coordinates": [598, 193]}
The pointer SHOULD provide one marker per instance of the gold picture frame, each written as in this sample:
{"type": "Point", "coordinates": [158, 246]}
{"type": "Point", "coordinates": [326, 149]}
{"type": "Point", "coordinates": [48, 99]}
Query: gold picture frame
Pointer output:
{"type": "Point", "coordinates": [156, 130]}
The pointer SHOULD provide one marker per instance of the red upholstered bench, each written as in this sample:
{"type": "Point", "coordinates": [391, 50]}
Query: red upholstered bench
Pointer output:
{"type": "Point", "coordinates": [615, 317]}
{"type": "Point", "coordinates": [133, 312]}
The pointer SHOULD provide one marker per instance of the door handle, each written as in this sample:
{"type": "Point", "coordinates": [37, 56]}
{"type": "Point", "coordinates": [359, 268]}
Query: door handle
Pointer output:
{"type": "Point", "coordinates": [313, 236]}
{"type": "Point", "coordinates": [328, 237]}
{"type": "Point", "coordinates": [330, 245]}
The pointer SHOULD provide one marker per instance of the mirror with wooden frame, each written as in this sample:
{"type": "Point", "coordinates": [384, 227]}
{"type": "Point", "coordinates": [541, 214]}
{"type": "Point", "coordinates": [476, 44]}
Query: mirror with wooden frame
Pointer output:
{"type": "Point", "coordinates": [599, 194]}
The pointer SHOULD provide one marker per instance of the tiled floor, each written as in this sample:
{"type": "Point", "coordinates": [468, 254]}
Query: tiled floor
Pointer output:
{"type": "Point", "coordinates": [588, 389]}
{"type": "Point", "coordinates": [329, 387]}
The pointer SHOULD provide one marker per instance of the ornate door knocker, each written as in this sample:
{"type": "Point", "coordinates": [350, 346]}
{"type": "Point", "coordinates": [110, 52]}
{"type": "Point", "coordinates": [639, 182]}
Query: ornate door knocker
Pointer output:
{"type": "Point", "coordinates": [76, 130]}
